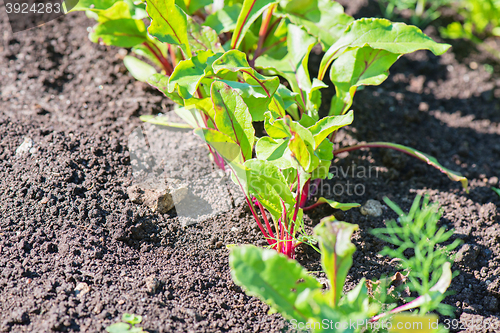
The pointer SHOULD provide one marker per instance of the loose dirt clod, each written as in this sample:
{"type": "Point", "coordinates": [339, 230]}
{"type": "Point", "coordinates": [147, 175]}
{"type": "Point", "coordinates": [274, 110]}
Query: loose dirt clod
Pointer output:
{"type": "Point", "coordinates": [467, 255]}
{"type": "Point", "coordinates": [159, 195]}
{"type": "Point", "coordinates": [152, 284]}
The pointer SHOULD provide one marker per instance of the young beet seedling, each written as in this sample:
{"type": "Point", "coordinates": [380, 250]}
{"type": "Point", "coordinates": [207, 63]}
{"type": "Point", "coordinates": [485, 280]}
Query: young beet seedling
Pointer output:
{"type": "Point", "coordinates": [222, 63]}
{"type": "Point", "coordinates": [299, 297]}
{"type": "Point", "coordinates": [285, 161]}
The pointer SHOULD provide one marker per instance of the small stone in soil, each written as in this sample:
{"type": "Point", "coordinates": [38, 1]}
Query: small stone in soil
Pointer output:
{"type": "Point", "coordinates": [372, 208]}
{"type": "Point", "coordinates": [25, 146]}
{"type": "Point", "coordinates": [81, 289]}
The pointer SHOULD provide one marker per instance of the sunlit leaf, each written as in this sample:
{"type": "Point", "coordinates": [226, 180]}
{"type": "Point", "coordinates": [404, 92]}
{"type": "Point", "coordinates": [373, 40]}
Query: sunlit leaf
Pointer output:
{"type": "Point", "coordinates": [121, 33]}
{"type": "Point", "coordinates": [397, 38]}
{"type": "Point", "coordinates": [168, 23]}
{"type": "Point", "coordinates": [250, 11]}
{"type": "Point", "coordinates": [139, 69]}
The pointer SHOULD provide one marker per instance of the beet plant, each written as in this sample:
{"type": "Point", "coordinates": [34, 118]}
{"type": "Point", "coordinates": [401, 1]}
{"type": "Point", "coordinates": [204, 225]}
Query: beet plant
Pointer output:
{"type": "Point", "coordinates": [228, 67]}
{"type": "Point", "coordinates": [289, 289]}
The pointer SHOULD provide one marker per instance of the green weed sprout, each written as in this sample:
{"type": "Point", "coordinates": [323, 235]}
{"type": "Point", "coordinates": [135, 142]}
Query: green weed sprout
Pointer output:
{"type": "Point", "coordinates": [496, 190]}
{"type": "Point", "coordinates": [291, 290]}
{"type": "Point", "coordinates": [127, 325]}
{"type": "Point", "coordinates": [418, 232]}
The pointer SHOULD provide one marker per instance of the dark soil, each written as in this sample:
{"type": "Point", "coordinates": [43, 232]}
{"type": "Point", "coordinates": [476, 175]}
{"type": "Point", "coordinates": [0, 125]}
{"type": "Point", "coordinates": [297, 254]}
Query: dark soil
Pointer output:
{"type": "Point", "coordinates": [66, 219]}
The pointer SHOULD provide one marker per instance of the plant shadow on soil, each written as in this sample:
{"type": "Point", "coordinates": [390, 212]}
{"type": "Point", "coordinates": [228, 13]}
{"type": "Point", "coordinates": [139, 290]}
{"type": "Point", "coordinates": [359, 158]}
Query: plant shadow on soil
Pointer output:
{"type": "Point", "coordinates": [65, 217]}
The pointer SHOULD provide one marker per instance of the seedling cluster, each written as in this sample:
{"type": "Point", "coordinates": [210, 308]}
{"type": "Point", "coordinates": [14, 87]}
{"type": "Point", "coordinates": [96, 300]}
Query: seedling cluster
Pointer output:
{"type": "Point", "coordinates": [229, 67]}
{"type": "Point", "coordinates": [299, 297]}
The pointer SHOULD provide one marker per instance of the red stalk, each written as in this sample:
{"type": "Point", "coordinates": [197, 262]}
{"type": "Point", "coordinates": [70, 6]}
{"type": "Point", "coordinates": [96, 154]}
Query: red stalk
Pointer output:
{"type": "Point", "coordinates": [313, 206]}
{"type": "Point", "coordinates": [270, 241]}
{"type": "Point", "coordinates": [297, 200]}
{"type": "Point", "coordinates": [256, 217]}
{"type": "Point", "coordinates": [264, 216]}
{"type": "Point", "coordinates": [166, 65]}
{"type": "Point", "coordinates": [171, 51]}
{"type": "Point", "coordinates": [282, 236]}
{"type": "Point", "coordinates": [263, 33]}
{"type": "Point", "coordinates": [305, 194]}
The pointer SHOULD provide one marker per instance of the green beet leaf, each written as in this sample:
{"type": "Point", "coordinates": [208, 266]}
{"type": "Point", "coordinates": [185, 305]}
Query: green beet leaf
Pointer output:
{"type": "Point", "coordinates": [274, 151]}
{"type": "Point", "coordinates": [324, 150]}
{"type": "Point", "coordinates": [144, 51]}
{"type": "Point", "coordinates": [121, 33]}
{"type": "Point", "coordinates": [338, 205]}
{"type": "Point", "coordinates": [137, 10]}
{"type": "Point", "coordinates": [324, 19]}
{"type": "Point", "coordinates": [119, 10]}
{"type": "Point", "coordinates": [300, 140]}
{"type": "Point", "coordinates": [277, 128]}
{"type": "Point", "coordinates": [301, 144]}
{"type": "Point", "coordinates": [235, 61]}
{"type": "Point", "coordinates": [188, 73]}
{"type": "Point", "coordinates": [266, 182]}
{"type": "Point", "coordinates": [118, 328]}
{"type": "Point", "coordinates": [255, 98]}
{"type": "Point", "coordinates": [324, 127]}
{"type": "Point", "coordinates": [168, 23]}
{"type": "Point", "coordinates": [203, 37]}
{"type": "Point", "coordinates": [274, 44]}
{"type": "Point", "coordinates": [293, 67]}
{"type": "Point", "coordinates": [222, 143]}
{"type": "Point", "coordinates": [191, 6]}
{"type": "Point", "coordinates": [275, 279]}
{"type": "Point", "coordinates": [336, 254]}
{"type": "Point", "coordinates": [321, 171]}
{"type": "Point", "coordinates": [163, 121]}
{"type": "Point", "coordinates": [232, 117]}
{"type": "Point", "coordinates": [160, 82]}
{"type": "Point", "coordinates": [94, 4]}
{"type": "Point", "coordinates": [397, 38]}
{"type": "Point", "coordinates": [250, 11]}
{"type": "Point", "coordinates": [139, 69]}
{"type": "Point", "coordinates": [358, 67]}
{"type": "Point", "coordinates": [270, 149]}
{"type": "Point", "coordinates": [224, 20]}
{"type": "Point", "coordinates": [132, 319]}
